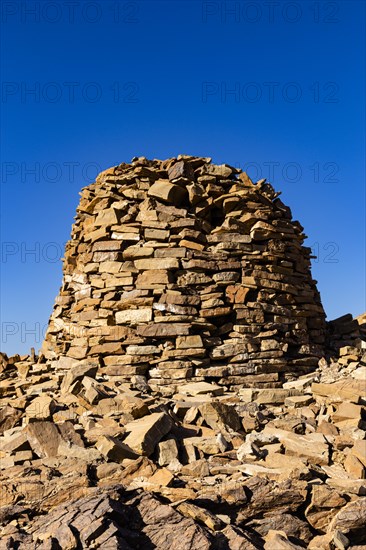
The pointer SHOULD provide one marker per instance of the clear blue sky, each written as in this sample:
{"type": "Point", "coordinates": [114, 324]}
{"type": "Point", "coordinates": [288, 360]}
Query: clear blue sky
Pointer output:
{"type": "Point", "coordinates": [274, 87]}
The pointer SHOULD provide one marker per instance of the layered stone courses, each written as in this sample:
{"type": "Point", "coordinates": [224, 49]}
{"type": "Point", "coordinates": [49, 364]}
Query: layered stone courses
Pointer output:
{"type": "Point", "coordinates": [182, 270]}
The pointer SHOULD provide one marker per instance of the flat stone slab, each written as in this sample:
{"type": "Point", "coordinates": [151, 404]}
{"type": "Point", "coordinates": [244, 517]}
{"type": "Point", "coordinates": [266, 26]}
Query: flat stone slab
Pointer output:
{"type": "Point", "coordinates": [146, 432]}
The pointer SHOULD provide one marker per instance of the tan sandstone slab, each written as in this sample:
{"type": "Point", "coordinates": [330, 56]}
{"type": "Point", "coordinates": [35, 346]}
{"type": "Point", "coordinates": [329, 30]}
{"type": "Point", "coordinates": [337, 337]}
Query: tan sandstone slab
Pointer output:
{"type": "Point", "coordinates": [146, 432]}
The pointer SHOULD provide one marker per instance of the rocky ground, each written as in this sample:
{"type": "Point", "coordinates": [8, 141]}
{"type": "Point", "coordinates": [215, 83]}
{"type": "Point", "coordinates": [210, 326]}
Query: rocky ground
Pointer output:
{"type": "Point", "coordinates": [89, 461]}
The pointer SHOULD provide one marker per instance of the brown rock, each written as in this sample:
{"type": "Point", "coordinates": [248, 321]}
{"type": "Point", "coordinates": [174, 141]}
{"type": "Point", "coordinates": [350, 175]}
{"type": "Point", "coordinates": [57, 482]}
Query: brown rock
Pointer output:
{"type": "Point", "coordinates": [146, 432]}
{"type": "Point", "coordinates": [156, 264]}
{"type": "Point", "coordinates": [113, 449]}
{"type": "Point", "coordinates": [134, 316]}
{"type": "Point", "coordinates": [9, 418]}
{"type": "Point", "coordinates": [266, 496]}
{"type": "Point", "coordinates": [347, 410]}
{"type": "Point", "coordinates": [220, 416]}
{"type": "Point", "coordinates": [161, 478]}
{"type": "Point", "coordinates": [167, 192]}
{"type": "Point", "coordinates": [238, 539]}
{"type": "Point", "coordinates": [325, 503]}
{"type": "Point", "coordinates": [184, 342]}
{"type": "Point", "coordinates": [359, 450]}
{"type": "Point", "coordinates": [123, 404]}
{"type": "Point", "coordinates": [44, 438]}
{"type": "Point", "coordinates": [167, 451]}
{"type": "Point", "coordinates": [199, 514]}
{"type": "Point", "coordinates": [41, 408]}
{"type": "Point", "coordinates": [200, 388]}
{"type": "Point", "coordinates": [77, 373]}
{"type": "Point", "coordinates": [279, 540]}
{"type": "Point", "coordinates": [354, 467]}
{"type": "Point", "coordinates": [313, 447]}
{"type": "Point", "coordinates": [162, 330]}
{"type": "Point", "coordinates": [347, 389]}
{"type": "Point", "coordinates": [287, 523]}
{"type": "Point", "coordinates": [351, 520]}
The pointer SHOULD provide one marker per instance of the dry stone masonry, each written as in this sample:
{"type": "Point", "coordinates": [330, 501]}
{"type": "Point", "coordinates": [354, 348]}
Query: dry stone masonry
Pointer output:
{"type": "Point", "coordinates": [188, 395]}
{"type": "Point", "coordinates": [184, 271]}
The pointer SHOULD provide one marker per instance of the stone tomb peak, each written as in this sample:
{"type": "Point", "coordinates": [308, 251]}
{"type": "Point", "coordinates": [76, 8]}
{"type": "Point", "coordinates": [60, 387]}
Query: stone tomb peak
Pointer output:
{"type": "Point", "coordinates": [182, 271]}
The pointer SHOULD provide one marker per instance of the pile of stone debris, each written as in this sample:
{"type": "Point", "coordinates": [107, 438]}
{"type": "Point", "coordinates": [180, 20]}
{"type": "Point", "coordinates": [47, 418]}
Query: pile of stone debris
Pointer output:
{"type": "Point", "coordinates": [88, 461]}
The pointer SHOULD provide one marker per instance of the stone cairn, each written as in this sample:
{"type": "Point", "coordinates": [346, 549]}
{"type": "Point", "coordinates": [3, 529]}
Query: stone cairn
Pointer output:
{"type": "Point", "coordinates": [182, 270]}
{"type": "Point", "coordinates": [172, 405]}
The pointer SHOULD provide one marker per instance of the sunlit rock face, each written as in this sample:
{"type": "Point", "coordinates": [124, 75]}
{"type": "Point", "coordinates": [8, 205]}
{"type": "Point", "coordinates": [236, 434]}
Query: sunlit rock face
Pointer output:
{"type": "Point", "coordinates": [182, 270]}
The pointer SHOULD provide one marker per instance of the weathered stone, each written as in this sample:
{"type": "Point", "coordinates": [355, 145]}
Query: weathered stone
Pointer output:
{"type": "Point", "coordinates": [146, 432]}
{"type": "Point", "coordinates": [279, 540]}
{"type": "Point", "coordinates": [77, 373]}
{"type": "Point", "coordinates": [153, 278]}
{"type": "Point", "coordinates": [351, 390]}
{"type": "Point", "coordinates": [200, 388]}
{"type": "Point", "coordinates": [44, 438]}
{"type": "Point", "coordinates": [167, 451]}
{"type": "Point", "coordinates": [324, 505]}
{"type": "Point", "coordinates": [107, 217]}
{"type": "Point", "coordinates": [162, 330]}
{"type": "Point", "coordinates": [238, 539]}
{"type": "Point", "coordinates": [157, 264]}
{"type": "Point", "coordinates": [313, 447]}
{"type": "Point", "coordinates": [167, 192]}
{"type": "Point", "coordinates": [351, 518]}
{"type": "Point", "coordinates": [123, 404]}
{"type": "Point", "coordinates": [340, 540]}
{"type": "Point", "coordinates": [161, 478]}
{"type": "Point", "coordinates": [194, 341]}
{"type": "Point", "coordinates": [267, 396]}
{"type": "Point", "coordinates": [134, 316]}
{"type": "Point", "coordinates": [16, 442]}
{"type": "Point", "coordinates": [113, 449]}
{"type": "Point", "coordinates": [41, 408]}
{"type": "Point", "coordinates": [295, 528]}
{"type": "Point", "coordinates": [359, 450]}
{"type": "Point", "coordinates": [298, 401]}
{"type": "Point", "coordinates": [354, 467]}
{"type": "Point", "coordinates": [285, 497]}
{"type": "Point", "coordinates": [348, 410]}
{"type": "Point", "coordinates": [220, 416]}
{"type": "Point", "coordinates": [9, 417]}
{"type": "Point", "coordinates": [199, 514]}
{"type": "Point", "coordinates": [208, 445]}
{"type": "Point", "coordinates": [168, 285]}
